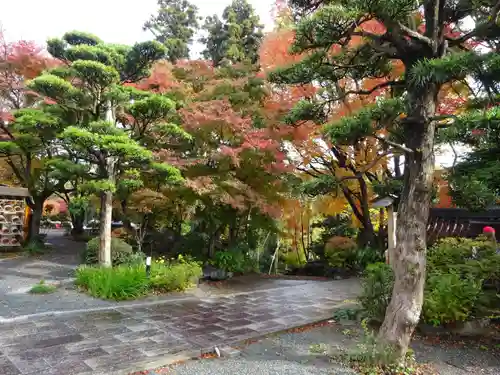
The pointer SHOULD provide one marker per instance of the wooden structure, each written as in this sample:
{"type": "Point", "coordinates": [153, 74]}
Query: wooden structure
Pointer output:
{"type": "Point", "coordinates": [14, 216]}
{"type": "Point", "coordinates": [460, 222]}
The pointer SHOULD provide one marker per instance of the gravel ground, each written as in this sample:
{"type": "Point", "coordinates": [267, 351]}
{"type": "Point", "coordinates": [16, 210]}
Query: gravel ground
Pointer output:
{"type": "Point", "coordinates": [290, 354]}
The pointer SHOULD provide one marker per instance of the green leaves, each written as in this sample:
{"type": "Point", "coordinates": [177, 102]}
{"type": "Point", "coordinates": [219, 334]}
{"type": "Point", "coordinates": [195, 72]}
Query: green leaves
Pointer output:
{"type": "Point", "coordinates": [306, 110]}
{"type": "Point", "coordinates": [351, 129]}
{"type": "Point", "coordinates": [151, 109]}
{"type": "Point", "coordinates": [94, 73]}
{"type": "Point", "coordinates": [167, 173]}
{"type": "Point", "coordinates": [324, 27]}
{"type": "Point", "coordinates": [52, 86]}
{"type": "Point", "coordinates": [235, 38]}
{"type": "Point", "coordinates": [86, 52]}
{"type": "Point", "coordinates": [103, 138]}
{"type": "Point", "coordinates": [140, 59]}
{"type": "Point", "coordinates": [446, 69]}
{"type": "Point", "coordinates": [80, 37]}
{"type": "Point", "coordinates": [174, 26]}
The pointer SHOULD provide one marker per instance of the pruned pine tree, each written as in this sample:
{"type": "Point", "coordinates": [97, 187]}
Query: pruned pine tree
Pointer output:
{"type": "Point", "coordinates": [89, 91]}
{"type": "Point", "coordinates": [436, 41]}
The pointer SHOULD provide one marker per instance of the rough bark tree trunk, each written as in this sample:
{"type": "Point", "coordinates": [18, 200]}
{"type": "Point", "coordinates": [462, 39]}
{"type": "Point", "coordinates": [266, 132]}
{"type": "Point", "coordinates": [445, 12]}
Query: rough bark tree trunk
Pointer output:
{"type": "Point", "coordinates": [35, 219]}
{"type": "Point", "coordinates": [403, 313]}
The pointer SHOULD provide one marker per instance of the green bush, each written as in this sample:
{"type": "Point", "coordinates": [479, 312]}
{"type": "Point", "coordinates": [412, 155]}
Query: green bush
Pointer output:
{"type": "Point", "coordinates": [366, 256]}
{"type": "Point", "coordinates": [458, 270]}
{"type": "Point", "coordinates": [450, 298]}
{"type": "Point", "coordinates": [175, 276]}
{"type": "Point", "coordinates": [293, 259]}
{"type": "Point", "coordinates": [131, 281]}
{"type": "Point", "coordinates": [120, 251]}
{"type": "Point", "coordinates": [448, 253]}
{"type": "Point", "coordinates": [117, 283]}
{"type": "Point", "coordinates": [377, 285]}
{"type": "Point", "coordinates": [235, 260]}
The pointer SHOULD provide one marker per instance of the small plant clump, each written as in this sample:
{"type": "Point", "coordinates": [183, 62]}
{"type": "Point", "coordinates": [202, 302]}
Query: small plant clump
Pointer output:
{"type": "Point", "coordinates": [43, 288]}
{"type": "Point", "coordinates": [130, 281]}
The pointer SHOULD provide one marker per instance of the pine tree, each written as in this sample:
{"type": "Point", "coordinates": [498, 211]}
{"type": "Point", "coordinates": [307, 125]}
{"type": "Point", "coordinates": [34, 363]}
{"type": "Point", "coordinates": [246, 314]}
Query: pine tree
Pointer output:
{"type": "Point", "coordinates": [90, 91]}
{"type": "Point", "coordinates": [235, 38]}
{"type": "Point", "coordinates": [174, 26]}
{"type": "Point", "coordinates": [427, 38]}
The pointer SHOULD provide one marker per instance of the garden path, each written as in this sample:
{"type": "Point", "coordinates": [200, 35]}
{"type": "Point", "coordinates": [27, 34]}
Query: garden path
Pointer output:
{"type": "Point", "coordinates": [18, 275]}
{"type": "Point", "coordinates": [125, 338]}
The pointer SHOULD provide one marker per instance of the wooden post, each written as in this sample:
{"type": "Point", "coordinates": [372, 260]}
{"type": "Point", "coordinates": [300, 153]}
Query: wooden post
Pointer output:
{"type": "Point", "coordinates": [391, 233]}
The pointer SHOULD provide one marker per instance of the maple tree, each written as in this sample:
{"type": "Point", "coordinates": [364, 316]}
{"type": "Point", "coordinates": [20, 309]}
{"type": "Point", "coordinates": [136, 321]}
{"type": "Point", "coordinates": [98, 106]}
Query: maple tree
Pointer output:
{"type": "Point", "coordinates": [232, 164]}
{"type": "Point", "coordinates": [28, 148]}
{"type": "Point", "coordinates": [346, 172]}
{"type": "Point", "coordinates": [414, 48]}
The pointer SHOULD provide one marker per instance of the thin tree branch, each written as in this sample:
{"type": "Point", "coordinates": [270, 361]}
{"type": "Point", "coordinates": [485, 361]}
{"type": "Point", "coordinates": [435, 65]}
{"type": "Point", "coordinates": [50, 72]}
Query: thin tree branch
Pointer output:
{"type": "Point", "coordinates": [394, 144]}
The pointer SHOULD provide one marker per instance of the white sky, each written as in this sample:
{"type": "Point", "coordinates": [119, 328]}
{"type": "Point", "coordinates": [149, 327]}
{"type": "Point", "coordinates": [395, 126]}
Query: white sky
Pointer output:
{"type": "Point", "coordinates": [114, 21]}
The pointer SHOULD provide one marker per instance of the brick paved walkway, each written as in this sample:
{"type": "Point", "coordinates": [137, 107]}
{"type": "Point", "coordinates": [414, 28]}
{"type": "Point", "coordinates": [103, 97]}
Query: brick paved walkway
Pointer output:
{"type": "Point", "coordinates": [122, 339]}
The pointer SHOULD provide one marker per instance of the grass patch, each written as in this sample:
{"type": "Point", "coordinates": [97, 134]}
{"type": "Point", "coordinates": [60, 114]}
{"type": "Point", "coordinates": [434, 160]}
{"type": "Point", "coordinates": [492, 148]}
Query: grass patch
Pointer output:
{"type": "Point", "coordinates": [127, 282]}
{"type": "Point", "coordinates": [42, 288]}
{"type": "Point", "coordinates": [118, 283]}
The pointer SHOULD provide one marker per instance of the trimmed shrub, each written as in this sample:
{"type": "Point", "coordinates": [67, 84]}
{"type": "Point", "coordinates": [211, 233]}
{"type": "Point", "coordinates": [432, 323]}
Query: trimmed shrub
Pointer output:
{"type": "Point", "coordinates": [120, 251]}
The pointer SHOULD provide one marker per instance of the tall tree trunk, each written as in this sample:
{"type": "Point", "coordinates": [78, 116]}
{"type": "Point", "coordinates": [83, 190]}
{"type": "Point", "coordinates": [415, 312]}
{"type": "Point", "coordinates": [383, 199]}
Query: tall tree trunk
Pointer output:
{"type": "Point", "coordinates": [77, 220]}
{"type": "Point", "coordinates": [35, 219]}
{"type": "Point", "coordinates": [409, 258]}
{"type": "Point", "coordinates": [105, 229]}
{"type": "Point", "coordinates": [106, 218]}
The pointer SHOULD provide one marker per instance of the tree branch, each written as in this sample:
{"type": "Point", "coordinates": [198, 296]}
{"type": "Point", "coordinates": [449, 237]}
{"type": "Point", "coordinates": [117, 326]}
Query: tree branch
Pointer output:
{"type": "Point", "coordinates": [393, 144]}
{"type": "Point", "coordinates": [370, 165]}
{"type": "Point", "coordinates": [370, 91]}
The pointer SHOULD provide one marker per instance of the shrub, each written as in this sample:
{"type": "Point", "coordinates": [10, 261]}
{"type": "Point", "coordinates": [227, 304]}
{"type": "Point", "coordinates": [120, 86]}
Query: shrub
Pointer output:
{"type": "Point", "coordinates": [340, 252]}
{"type": "Point", "coordinates": [120, 251]}
{"type": "Point", "coordinates": [118, 283]}
{"type": "Point", "coordinates": [175, 276]}
{"type": "Point", "coordinates": [449, 298]}
{"type": "Point", "coordinates": [366, 256]}
{"type": "Point", "coordinates": [293, 259]}
{"type": "Point", "coordinates": [376, 292]}
{"type": "Point", "coordinates": [135, 259]}
{"type": "Point", "coordinates": [450, 252]}
{"type": "Point", "coordinates": [235, 260]}
{"type": "Point", "coordinates": [462, 282]}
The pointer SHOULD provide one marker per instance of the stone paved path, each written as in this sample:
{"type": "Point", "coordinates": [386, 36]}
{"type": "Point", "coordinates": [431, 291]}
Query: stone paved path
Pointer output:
{"type": "Point", "coordinates": [125, 339]}
{"type": "Point", "coordinates": [18, 275]}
